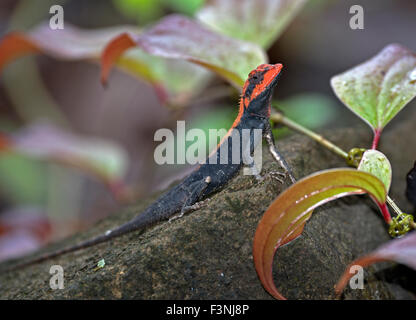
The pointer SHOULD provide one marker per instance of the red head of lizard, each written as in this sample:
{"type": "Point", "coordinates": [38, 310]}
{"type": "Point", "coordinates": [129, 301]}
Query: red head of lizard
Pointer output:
{"type": "Point", "coordinates": [258, 89]}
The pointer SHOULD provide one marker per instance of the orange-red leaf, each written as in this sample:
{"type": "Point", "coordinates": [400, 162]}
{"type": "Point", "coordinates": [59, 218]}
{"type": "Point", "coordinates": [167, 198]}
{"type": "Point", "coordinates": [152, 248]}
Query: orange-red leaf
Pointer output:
{"type": "Point", "coordinates": [13, 46]}
{"type": "Point", "coordinates": [114, 49]}
{"type": "Point", "coordinates": [285, 218]}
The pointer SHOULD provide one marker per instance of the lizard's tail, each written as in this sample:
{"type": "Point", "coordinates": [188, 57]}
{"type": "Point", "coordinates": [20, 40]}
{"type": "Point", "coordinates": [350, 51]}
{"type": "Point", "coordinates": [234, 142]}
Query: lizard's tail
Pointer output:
{"type": "Point", "coordinates": [56, 253]}
{"type": "Point", "coordinates": [147, 218]}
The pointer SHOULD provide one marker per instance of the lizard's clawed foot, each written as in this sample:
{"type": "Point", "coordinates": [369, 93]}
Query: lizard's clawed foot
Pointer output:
{"type": "Point", "coordinates": [186, 209]}
{"type": "Point", "coordinates": [275, 175]}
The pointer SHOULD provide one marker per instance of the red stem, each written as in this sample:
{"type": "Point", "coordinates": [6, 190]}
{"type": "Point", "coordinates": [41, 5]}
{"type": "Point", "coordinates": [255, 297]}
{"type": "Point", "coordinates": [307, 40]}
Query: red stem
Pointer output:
{"type": "Point", "coordinates": [376, 139]}
{"type": "Point", "coordinates": [385, 211]}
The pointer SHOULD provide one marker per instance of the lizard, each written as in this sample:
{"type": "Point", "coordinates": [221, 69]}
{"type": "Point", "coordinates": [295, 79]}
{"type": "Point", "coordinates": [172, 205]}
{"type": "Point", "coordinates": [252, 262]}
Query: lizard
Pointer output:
{"type": "Point", "coordinates": [254, 113]}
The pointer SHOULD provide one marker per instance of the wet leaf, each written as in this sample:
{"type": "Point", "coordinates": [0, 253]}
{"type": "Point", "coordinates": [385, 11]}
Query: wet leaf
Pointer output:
{"type": "Point", "coordinates": [379, 88]}
{"type": "Point", "coordinates": [401, 250]}
{"type": "Point", "coordinates": [284, 219]}
{"type": "Point", "coordinates": [178, 37]}
{"type": "Point", "coordinates": [376, 163]}
{"type": "Point", "coordinates": [260, 21]}
{"type": "Point", "coordinates": [103, 159]}
{"type": "Point", "coordinates": [175, 81]}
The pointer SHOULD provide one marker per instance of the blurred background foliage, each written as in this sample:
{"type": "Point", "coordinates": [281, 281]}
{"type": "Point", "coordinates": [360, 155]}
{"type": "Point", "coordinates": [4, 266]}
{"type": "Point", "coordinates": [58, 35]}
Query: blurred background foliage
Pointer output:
{"type": "Point", "coordinates": [43, 201]}
{"type": "Point", "coordinates": [147, 11]}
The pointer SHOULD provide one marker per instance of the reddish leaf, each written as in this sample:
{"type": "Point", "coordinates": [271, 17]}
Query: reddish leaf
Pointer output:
{"type": "Point", "coordinates": [399, 250]}
{"type": "Point", "coordinates": [284, 219]}
{"type": "Point", "coordinates": [175, 81]}
{"type": "Point", "coordinates": [177, 37]}
{"type": "Point", "coordinates": [13, 46]}
{"type": "Point", "coordinates": [70, 43]}
{"type": "Point", "coordinates": [112, 52]}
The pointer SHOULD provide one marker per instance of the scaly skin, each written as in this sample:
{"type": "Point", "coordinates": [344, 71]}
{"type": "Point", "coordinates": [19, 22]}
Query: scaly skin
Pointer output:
{"type": "Point", "coordinates": [254, 113]}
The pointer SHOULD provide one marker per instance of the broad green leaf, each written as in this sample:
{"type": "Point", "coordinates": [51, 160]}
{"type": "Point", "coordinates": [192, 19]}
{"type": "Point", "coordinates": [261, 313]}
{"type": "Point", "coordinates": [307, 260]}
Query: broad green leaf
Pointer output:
{"type": "Point", "coordinates": [260, 21]}
{"type": "Point", "coordinates": [175, 81]}
{"type": "Point", "coordinates": [102, 159]}
{"type": "Point", "coordinates": [178, 37]}
{"type": "Point", "coordinates": [399, 250]}
{"type": "Point", "coordinates": [379, 88]}
{"type": "Point", "coordinates": [376, 163]}
{"type": "Point", "coordinates": [284, 219]}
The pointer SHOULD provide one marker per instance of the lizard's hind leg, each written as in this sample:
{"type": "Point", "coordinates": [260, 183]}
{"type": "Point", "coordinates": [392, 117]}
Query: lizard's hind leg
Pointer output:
{"type": "Point", "coordinates": [275, 175]}
{"type": "Point", "coordinates": [196, 190]}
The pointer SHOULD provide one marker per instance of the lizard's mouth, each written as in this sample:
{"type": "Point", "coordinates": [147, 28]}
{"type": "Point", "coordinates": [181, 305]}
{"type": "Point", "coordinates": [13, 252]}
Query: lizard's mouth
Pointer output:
{"type": "Point", "coordinates": [272, 75]}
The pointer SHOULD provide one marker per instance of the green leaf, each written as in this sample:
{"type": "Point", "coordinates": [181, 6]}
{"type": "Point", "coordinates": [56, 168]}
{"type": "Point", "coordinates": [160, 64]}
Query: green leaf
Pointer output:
{"type": "Point", "coordinates": [376, 163]}
{"type": "Point", "coordinates": [260, 21]}
{"type": "Point", "coordinates": [284, 219]}
{"type": "Point", "coordinates": [379, 88]}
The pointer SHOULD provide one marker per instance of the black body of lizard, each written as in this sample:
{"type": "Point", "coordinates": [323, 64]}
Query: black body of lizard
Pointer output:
{"type": "Point", "coordinates": [254, 114]}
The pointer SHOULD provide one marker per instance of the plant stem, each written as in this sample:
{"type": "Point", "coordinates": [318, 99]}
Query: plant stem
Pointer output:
{"type": "Point", "coordinates": [394, 206]}
{"type": "Point", "coordinates": [385, 212]}
{"type": "Point", "coordinates": [278, 117]}
{"type": "Point", "coordinates": [376, 139]}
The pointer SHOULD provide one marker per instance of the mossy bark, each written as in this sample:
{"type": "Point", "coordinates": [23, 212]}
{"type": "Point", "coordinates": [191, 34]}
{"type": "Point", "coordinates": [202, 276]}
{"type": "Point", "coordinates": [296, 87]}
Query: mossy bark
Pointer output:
{"type": "Point", "coordinates": [207, 254]}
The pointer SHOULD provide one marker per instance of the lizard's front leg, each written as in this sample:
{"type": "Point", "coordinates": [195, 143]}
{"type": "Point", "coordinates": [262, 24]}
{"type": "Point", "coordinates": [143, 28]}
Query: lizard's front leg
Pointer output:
{"type": "Point", "coordinates": [268, 135]}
